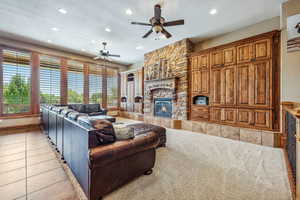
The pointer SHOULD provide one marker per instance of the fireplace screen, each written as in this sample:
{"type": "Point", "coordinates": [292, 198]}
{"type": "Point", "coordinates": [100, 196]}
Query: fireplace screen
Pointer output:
{"type": "Point", "coordinates": [163, 107]}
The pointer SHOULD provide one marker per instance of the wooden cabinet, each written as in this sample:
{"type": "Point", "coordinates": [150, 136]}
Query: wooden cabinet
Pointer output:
{"type": "Point", "coordinates": [200, 74]}
{"type": "Point", "coordinates": [200, 113]}
{"type": "Point", "coordinates": [241, 80]}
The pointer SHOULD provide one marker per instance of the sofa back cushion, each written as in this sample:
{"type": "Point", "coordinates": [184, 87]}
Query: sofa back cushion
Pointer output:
{"type": "Point", "coordinates": [92, 108]}
{"type": "Point", "coordinates": [78, 107]}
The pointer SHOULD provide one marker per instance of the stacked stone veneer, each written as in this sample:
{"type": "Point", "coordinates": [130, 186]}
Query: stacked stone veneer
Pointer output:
{"type": "Point", "coordinates": [176, 55]}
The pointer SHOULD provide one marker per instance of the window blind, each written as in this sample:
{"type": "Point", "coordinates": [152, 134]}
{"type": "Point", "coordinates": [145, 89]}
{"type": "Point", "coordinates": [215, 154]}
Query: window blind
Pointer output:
{"type": "Point", "coordinates": [112, 87]}
{"type": "Point", "coordinates": [75, 82]}
{"type": "Point", "coordinates": [16, 81]}
{"type": "Point", "coordinates": [95, 84]}
{"type": "Point", "coordinates": [49, 80]}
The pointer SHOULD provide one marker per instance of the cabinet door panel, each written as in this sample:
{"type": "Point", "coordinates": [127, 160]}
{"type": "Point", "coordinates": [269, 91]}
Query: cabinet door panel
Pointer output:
{"type": "Point", "coordinates": [228, 86]}
{"type": "Point", "coordinates": [262, 73]}
{"type": "Point", "coordinates": [262, 49]}
{"type": "Point", "coordinates": [195, 82]}
{"type": "Point", "coordinates": [245, 84]}
{"type": "Point", "coordinates": [217, 58]}
{"type": "Point", "coordinates": [204, 61]}
{"type": "Point", "coordinates": [215, 114]}
{"type": "Point", "coordinates": [200, 113]}
{"type": "Point", "coordinates": [262, 118]}
{"type": "Point", "coordinates": [245, 117]}
{"type": "Point", "coordinates": [204, 82]}
{"type": "Point", "coordinates": [244, 53]}
{"type": "Point", "coordinates": [216, 86]}
{"type": "Point", "coordinates": [229, 56]}
{"type": "Point", "coordinates": [228, 115]}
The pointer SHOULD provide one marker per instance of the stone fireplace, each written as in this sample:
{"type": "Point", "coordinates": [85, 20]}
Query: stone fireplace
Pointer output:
{"type": "Point", "coordinates": [166, 77]}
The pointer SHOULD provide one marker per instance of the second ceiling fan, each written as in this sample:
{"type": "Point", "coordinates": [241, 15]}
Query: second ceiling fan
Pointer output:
{"type": "Point", "coordinates": [158, 23]}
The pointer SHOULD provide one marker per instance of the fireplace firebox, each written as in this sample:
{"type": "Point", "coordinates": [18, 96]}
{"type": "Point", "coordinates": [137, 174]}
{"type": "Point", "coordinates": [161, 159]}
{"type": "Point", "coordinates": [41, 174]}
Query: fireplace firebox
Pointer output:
{"type": "Point", "coordinates": [163, 107]}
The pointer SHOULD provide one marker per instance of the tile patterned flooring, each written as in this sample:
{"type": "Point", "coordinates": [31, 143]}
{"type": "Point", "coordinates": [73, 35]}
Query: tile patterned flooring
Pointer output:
{"type": "Point", "coordinates": [29, 169]}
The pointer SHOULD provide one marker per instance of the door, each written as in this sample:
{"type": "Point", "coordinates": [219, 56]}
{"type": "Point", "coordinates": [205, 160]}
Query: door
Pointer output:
{"type": "Point", "coordinates": [228, 77]}
{"type": "Point", "coordinates": [262, 83]}
{"type": "Point", "coordinates": [217, 58]}
{"type": "Point", "coordinates": [215, 86]}
{"type": "Point", "coordinates": [229, 56]}
{"type": "Point", "coordinates": [262, 49]}
{"type": "Point", "coordinates": [245, 53]}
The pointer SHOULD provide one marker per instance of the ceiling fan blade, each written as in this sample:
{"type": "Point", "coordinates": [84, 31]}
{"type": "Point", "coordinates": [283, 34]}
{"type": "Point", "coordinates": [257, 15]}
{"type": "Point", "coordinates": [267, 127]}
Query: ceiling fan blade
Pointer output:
{"type": "Point", "coordinates": [148, 33]}
{"type": "Point", "coordinates": [113, 55]}
{"type": "Point", "coordinates": [141, 23]}
{"type": "Point", "coordinates": [157, 11]}
{"type": "Point", "coordinates": [174, 23]}
{"type": "Point", "coordinates": [166, 33]}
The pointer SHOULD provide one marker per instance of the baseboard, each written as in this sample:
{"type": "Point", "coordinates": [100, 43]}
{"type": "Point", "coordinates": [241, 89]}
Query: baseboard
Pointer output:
{"type": "Point", "coordinates": [20, 129]}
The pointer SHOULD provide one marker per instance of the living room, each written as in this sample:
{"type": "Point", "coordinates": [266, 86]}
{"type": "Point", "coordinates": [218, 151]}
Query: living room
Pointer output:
{"type": "Point", "coordinates": [130, 100]}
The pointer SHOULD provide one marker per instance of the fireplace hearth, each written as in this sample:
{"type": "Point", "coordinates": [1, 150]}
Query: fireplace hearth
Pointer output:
{"type": "Point", "coordinates": [163, 107]}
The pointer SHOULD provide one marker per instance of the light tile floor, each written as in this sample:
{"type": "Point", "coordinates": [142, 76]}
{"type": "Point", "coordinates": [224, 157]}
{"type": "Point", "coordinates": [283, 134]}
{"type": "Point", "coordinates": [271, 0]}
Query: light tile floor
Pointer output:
{"type": "Point", "coordinates": [29, 169]}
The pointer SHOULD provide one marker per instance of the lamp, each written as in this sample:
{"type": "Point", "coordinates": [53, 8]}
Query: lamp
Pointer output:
{"type": "Point", "coordinates": [157, 28]}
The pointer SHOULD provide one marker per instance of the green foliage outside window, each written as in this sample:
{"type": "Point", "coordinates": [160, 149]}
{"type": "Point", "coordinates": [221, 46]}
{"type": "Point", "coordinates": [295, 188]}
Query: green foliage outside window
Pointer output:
{"type": "Point", "coordinates": [74, 97]}
{"type": "Point", "coordinates": [17, 95]}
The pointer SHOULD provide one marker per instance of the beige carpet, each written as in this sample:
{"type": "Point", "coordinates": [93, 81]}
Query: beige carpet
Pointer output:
{"type": "Point", "coordinates": [195, 166]}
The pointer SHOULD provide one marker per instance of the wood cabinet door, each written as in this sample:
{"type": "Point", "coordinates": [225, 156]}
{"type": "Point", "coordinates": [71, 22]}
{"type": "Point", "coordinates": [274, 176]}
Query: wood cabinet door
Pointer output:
{"type": "Point", "coordinates": [204, 82]}
{"type": "Point", "coordinates": [228, 115]}
{"type": "Point", "coordinates": [244, 53]}
{"type": "Point", "coordinates": [262, 118]}
{"type": "Point", "coordinates": [262, 83]}
{"type": "Point", "coordinates": [228, 85]}
{"type": "Point", "coordinates": [215, 84]}
{"type": "Point", "coordinates": [203, 61]}
{"type": "Point", "coordinates": [217, 58]}
{"type": "Point", "coordinates": [229, 56]}
{"type": "Point", "coordinates": [200, 113]}
{"type": "Point", "coordinates": [215, 114]}
{"type": "Point", "coordinates": [262, 49]}
{"type": "Point", "coordinates": [194, 63]}
{"type": "Point", "coordinates": [245, 117]}
{"type": "Point", "coordinates": [196, 84]}
{"type": "Point", "coordinates": [245, 84]}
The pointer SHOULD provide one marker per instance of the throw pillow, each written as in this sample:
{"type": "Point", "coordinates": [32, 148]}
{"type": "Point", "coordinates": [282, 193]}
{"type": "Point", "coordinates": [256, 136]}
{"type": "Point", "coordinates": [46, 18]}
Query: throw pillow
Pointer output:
{"type": "Point", "coordinates": [123, 132]}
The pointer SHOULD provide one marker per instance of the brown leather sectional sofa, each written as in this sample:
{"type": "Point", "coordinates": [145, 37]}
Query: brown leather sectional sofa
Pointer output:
{"type": "Point", "coordinates": [99, 169]}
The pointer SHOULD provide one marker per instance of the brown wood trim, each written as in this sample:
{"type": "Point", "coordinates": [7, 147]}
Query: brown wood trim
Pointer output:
{"type": "Point", "coordinates": [119, 89]}
{"type": "Point", "coordinates": [86, 84]}
{"type": "Point", "coordinates": [292, 182]}
{"type": "Point", "coordinates": [64, 82]}
{"type": "Point", "coordinates": [236, 43]}
{"type": "Point", "coordinates": [276, 80]}
{"type": "Point", "coordinates": [20, 129]}
{"type": "Point", "coordinates": [19, 116]}
{"type": "Point", "coordinates": [1, 82]}
{"type": "Point", "coordinates": [35, 83]}
{"type": "Point", "coordinates": [104, 88]}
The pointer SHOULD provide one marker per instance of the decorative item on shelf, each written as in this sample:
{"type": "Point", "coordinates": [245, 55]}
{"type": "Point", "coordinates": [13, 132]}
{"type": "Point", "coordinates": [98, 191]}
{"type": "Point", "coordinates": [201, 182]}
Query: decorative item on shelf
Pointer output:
{"type": "Point", "coordinates": [123, 99]}
{"type": "Point", "coordinates": [201, 100]}
{"type": "Point", "coordinates": [138, 99]}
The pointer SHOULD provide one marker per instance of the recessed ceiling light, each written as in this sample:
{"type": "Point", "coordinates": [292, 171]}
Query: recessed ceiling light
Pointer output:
{"type": "Point", "coordinates": [107, 30]}
{"type": "Point", "coordinates": [139, 47]}
{"type": "Point", "coordinates": [63, 11]}
{"type": "Point", "coordinates": [213, 11]}
{"type": "Point", "coordinates": [49, 41]}
{"type": "Point", "coordinates": [128, 11]}
{"type": "Point", "coordinates": [54, 29]}
{"type": "Point", "coordinates": [83, 50]}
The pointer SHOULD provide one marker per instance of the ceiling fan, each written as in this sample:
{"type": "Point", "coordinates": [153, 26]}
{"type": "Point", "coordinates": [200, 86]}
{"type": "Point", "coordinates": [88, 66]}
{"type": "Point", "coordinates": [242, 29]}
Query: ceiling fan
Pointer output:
{"type": "Point", "coordinates": [158, 23]}
{"type": "Point", "coordinates": [105, 53]}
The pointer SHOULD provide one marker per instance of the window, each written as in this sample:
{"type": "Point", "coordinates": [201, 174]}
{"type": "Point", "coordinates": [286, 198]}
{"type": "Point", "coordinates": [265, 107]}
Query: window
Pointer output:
{"type": "Point", "coordinates": [49, 80]}
{"type": "Point", "coordinates": [95, 84]}
{"type": "Point", "coordinates": [16, 71]}
{"type": "Point", "coordinates": [112, 87]}
{"type": "Point", "coordinates": [75, 82]}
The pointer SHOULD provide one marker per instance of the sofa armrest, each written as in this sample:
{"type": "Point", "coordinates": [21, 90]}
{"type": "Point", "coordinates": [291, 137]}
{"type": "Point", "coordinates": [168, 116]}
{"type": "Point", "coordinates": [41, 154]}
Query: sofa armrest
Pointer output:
{"type": "Point", "coordinates": [105, 154]}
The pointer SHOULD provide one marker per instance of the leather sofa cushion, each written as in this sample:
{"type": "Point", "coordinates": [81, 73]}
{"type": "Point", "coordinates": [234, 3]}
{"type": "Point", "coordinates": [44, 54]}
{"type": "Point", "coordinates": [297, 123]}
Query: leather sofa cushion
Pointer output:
{"type": "Point", "coordinates": [105, 154]}
{"type": "Point", "coordinates": [92, 108]}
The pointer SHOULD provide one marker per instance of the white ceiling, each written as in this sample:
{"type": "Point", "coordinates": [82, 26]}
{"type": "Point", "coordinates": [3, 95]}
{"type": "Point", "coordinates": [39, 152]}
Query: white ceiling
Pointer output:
{"type": "Point", "coordinates": [86, 20]}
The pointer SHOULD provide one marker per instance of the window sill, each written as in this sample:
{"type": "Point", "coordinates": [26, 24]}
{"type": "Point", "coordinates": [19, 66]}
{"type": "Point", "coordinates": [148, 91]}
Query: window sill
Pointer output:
{"type": "Point", "coordinates": [19, 116]}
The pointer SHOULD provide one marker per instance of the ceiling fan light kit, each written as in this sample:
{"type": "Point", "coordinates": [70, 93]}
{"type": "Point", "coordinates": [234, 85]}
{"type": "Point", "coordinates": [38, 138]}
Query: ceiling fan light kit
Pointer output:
{"type": "Point", "coordinates": [158, 23]}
